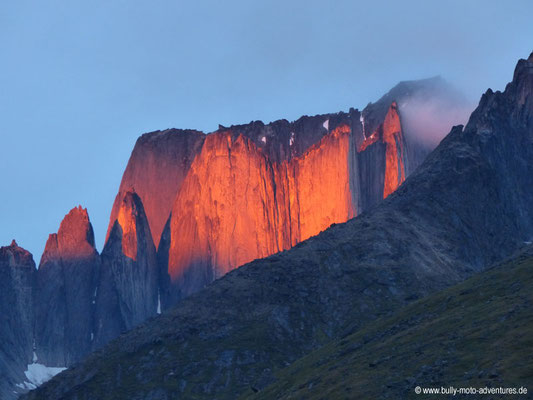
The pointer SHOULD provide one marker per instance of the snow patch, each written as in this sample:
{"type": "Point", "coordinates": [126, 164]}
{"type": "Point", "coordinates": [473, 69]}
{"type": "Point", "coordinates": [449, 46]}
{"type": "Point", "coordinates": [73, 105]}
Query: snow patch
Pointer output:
{"type": "Point", "coordinates": [362, 120]}
{"type": "Point", "coordinates": [291, 140]}
{"type": "Point", "coordinates": [34, 357]}
{"type": "Point", "coordinates": [326, 124]}
{"type": "Point", "coordinates": [264, 139]}
{"type": "Point", "coordinates": [37, 374]}
{"type": "Point", "coordinates": [92, 336]}
{"type": "Point", "coordinates": [158, 302]}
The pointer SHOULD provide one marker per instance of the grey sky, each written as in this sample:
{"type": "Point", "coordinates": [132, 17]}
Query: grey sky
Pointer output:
{"type": "Point", "coordinates": [80, 80]}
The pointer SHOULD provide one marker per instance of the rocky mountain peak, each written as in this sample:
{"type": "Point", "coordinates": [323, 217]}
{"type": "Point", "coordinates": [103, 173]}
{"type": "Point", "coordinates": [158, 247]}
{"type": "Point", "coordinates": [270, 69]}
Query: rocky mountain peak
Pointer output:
{"type": "Point", "coordinates": [523, 68]}
{"type": "Point", "coordinates": [523, 86]}
{"type": "Point", "coordinates": [74, 239]}
{"type": "Point", "coordinates": [513, 106]}
{"type": "Point", "coordinates": [15, 255]}
{"type": "Point", "coordinates": [65, 291]}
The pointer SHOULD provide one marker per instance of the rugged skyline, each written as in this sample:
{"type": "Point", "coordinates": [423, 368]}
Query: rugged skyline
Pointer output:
{"type": "Point", "coordinates": [79, 85]}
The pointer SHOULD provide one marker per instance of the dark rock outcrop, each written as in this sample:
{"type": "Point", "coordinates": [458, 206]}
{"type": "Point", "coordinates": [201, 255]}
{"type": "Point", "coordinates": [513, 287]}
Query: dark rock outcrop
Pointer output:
{"type": "Point", "coordinates": [127, 291]}
{"type": "Point", "coordinates": [17, 275]}
{"type": "Point", "coordinates": [64, 301]}
{"type": "Point", "coordinates": [469, 205]}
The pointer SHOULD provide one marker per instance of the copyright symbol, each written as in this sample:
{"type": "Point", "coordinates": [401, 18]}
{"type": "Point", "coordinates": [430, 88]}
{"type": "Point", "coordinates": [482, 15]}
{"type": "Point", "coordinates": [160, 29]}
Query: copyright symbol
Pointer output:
{"type": "Point", "coordinates": [418, 390]}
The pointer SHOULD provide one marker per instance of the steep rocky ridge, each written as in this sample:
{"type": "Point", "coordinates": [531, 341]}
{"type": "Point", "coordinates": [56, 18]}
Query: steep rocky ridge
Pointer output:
{"type": "Point", "coordinates": [469, 205]}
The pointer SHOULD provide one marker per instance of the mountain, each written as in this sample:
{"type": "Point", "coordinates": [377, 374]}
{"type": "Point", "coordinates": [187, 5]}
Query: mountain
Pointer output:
{"type": "Point", "coordinates": [435, 342]}
{"type": "Point", "coordinates": [17, 280]}
{"type": "Point", "coordinates": [264, 188]}
{"type": "Point", "coordinates": [65, 290]}
{"type": "Point", "coordinates": [469, 205]}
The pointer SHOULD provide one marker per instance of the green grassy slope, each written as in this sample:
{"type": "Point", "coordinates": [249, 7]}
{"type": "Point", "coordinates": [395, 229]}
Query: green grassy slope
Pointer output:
{"type": "Point", "coordinates": [478, 333]}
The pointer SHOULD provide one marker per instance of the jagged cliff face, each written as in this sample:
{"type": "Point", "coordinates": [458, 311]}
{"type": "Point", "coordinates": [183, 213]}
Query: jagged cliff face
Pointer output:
{"type": "Point", "coordinates": [221, 214]}
{"type": "Point", "coordinates": [65, 292]}
{"type": "Point", "coordinates": [255, 189]}
{"type": "Point", "coordinates": [127, 289]}
{"type": "Point", "coordinates": [17, 274]}
{"type": "Point", "coordinates": [237, 204]}
{"type": "Point", "coordinates": [316, 186]}
{"type": "Point", "coordinates": [156, 169]}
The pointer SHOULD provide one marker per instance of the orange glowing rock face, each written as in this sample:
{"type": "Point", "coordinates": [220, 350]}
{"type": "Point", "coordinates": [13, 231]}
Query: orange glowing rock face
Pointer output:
{"type": "Point", "coordinates": [394, 158]}
{"type": "Point", "coordinates": [127, 219]}
{"type": "Point", "coordinates": [369, 140]}
{"type": "Point", "coordinates": [155, 171]}
{"type": "Point", "coordinates": [318, 186]}
{"type": "Point", "coordinates": [222, 213]}
{"type": "Point", "coordinates": [235, 205]}
{"type": "Point", "coordinates": [74, 239]}
{"type": "Point", "coordinates": [390, 133]}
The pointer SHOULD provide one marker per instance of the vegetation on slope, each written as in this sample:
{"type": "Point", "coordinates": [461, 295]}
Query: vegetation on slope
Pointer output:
{"type": "Point", "coordinates": [476, 334]}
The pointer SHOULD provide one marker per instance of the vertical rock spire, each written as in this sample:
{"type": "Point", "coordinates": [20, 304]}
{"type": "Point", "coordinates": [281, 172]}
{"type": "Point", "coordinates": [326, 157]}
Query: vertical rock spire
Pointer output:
{"type": "Point", "coordinates": [65, 292]}
{"type": "Point", "coordinates": [128, 283]}
{"type": "Point", "coordinates": [394, 153]}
